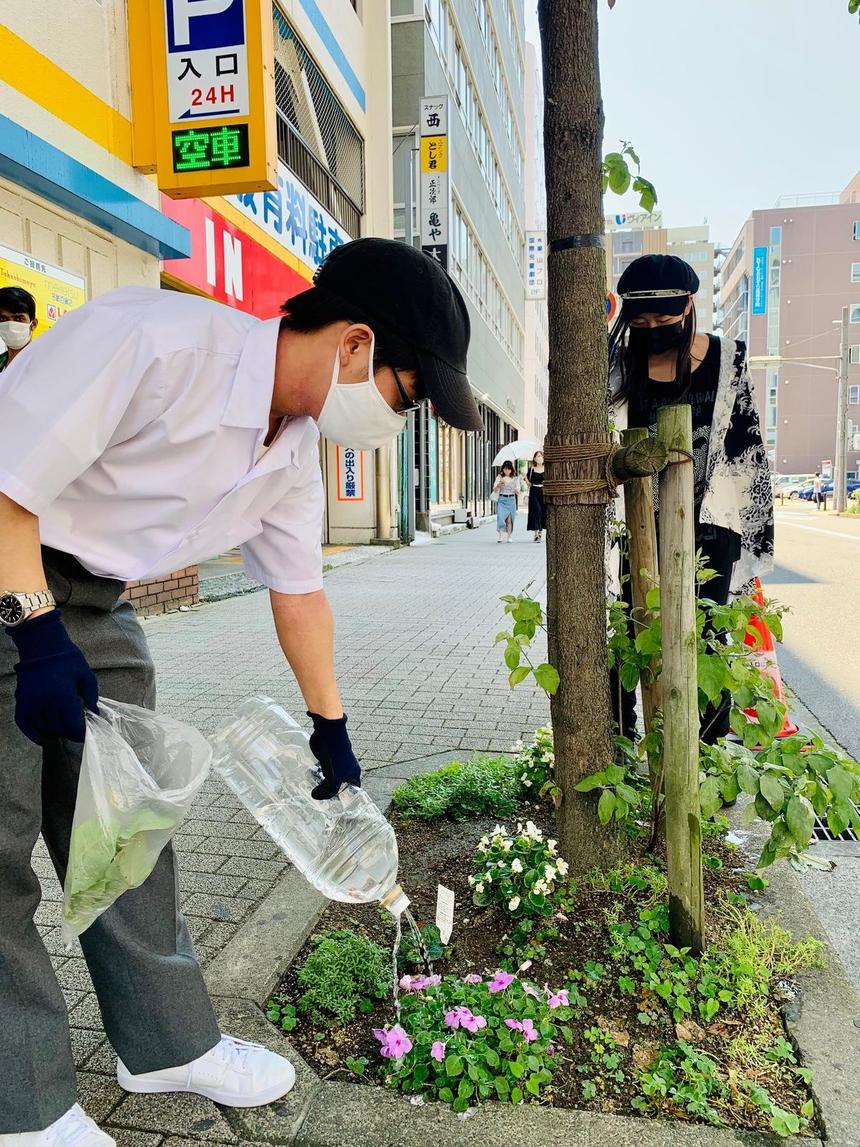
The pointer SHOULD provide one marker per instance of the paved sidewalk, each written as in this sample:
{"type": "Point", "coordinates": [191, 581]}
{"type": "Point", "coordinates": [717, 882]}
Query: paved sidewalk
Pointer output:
{"type": "Point", "coordinates": [420, 675]}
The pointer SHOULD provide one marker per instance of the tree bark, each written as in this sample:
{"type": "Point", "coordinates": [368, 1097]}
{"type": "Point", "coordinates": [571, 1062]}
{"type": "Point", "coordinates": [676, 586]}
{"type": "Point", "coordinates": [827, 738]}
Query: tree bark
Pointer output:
{"type": "Point", "coordinates": [578, 407]}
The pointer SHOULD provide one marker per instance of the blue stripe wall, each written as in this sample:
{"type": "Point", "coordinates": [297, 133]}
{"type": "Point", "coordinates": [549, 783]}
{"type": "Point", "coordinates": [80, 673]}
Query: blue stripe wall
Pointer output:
{"type": "Point", "coordinates": [31, 162]}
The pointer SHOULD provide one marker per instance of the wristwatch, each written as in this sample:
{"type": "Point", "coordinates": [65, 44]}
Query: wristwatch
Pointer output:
{"type": "Point", "coordinates": [17, 607]}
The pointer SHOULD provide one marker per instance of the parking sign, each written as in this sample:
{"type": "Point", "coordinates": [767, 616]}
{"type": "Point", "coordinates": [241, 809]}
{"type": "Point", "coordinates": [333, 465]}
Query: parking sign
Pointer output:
{"type": "Point", "coordinates": [207, 59]}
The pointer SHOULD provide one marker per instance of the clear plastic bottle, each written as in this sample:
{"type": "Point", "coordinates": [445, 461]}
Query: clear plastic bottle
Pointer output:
{"type": "Point", "coordinates": [344, 846]}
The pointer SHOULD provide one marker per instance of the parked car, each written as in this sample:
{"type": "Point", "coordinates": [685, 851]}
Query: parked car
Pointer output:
{"type": "Point", "coordinates": [800, 490]}
{"type": "Point", "coordinates": [827, 488]}
{"type": "Point", "coordinates": [783, 483]}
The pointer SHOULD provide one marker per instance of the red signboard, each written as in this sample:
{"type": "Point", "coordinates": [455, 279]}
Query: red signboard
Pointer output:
{"type": "Point", "coordinates": [227, 264]}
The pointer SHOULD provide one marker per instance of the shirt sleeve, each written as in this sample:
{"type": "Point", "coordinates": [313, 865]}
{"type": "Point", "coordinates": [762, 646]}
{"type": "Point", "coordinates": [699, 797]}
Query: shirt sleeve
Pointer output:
{"type": "Point", "coordinates": [287, 555]}
{"type": "Point", "coordinates": [62, 400]}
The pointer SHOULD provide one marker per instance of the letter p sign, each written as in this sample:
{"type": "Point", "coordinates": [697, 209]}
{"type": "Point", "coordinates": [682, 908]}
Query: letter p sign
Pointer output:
{"type": "Point", "coordinates": [201, 24]}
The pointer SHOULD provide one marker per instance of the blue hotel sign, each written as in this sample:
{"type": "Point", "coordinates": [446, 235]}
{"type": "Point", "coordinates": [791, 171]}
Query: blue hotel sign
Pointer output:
{"type": "Point", "coordinates": [759, 281]}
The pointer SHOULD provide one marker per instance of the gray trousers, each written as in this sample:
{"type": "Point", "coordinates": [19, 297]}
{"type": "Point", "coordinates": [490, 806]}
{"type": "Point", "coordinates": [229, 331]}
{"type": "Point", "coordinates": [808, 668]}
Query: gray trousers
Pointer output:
{"type": "Point", "coordinates": [153, 1000]}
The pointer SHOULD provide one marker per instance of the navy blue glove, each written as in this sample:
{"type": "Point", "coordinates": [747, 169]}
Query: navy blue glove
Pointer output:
{"type": "Point", "coordinates": [54, 681]}
{"type": "Point", "coordinates": [330, 745]}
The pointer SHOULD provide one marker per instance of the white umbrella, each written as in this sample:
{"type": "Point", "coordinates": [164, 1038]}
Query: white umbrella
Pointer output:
{"type": "Point", "coordinates": [519, 448]}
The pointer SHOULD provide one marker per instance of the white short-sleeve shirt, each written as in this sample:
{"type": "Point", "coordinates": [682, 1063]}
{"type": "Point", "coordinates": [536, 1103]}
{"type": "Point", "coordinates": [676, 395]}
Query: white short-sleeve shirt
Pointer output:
{"type": "Point", "coordinates": [132, 430]}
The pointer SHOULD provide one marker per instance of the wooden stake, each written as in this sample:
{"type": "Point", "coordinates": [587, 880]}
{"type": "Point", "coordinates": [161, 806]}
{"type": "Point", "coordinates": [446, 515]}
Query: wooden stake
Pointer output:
{"type": "Point", "coordinates": [680, 688]}
{"type": "Point", "coordinates": [642, 537]}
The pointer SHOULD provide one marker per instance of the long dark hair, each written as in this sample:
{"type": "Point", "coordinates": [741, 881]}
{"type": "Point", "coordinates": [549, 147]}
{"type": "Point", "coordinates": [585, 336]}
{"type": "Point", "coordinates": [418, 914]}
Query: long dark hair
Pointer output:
{"type": "Point", "coordinates": [631, 358]}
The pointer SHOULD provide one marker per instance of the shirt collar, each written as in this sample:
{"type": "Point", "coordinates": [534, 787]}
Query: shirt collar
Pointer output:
{"type": "Point", "coordinates": [251, 397]}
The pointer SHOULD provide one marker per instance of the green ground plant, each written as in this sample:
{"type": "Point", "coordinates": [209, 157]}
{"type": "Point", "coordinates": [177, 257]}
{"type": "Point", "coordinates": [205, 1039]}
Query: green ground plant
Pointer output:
{"type": "Point", "coordinates": [484, 786]}
{"type": "Point", "coordinates": [343, 975]}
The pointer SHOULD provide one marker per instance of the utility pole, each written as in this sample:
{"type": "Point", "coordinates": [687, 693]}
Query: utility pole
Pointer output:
{"type": "Point", "coordinates": [840, 468]}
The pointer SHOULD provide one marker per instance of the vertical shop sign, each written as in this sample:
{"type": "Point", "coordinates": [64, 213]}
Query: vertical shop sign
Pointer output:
{"type": "Point", "coordinates": [535, 264]}
{"type": "Point", "coordinates": [350, 474]}
{"type": "Point", "coordinates": [435, 182]}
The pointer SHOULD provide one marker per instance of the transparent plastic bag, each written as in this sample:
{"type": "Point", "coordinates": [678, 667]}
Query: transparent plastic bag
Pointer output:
{"type": "Point", "coordinates": [139, 775]}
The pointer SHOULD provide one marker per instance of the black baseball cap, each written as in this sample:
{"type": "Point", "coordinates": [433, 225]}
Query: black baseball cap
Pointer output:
{"type": "Point", "coordinates": [657, 284]}
{"type": "Point", "coordinates": [394, 287]}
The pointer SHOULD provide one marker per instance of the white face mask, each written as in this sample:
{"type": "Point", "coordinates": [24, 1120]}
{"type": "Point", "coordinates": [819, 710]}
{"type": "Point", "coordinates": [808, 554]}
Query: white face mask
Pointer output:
{"type": "Point", "coordinates": [356, 414]}
{"type": "Point", "coordinates": [15, 335]}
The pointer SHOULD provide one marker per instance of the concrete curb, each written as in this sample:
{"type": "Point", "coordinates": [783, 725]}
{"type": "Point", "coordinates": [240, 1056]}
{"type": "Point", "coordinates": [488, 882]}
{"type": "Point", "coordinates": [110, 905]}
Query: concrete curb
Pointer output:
{"type": "Point", "coordinates": [824, 1023]}
{"type": "Point", "coordinates": [223, 586]}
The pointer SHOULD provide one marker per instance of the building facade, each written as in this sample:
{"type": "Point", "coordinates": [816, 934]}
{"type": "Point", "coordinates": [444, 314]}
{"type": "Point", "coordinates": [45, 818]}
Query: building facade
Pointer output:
{"type": "Point", "coordinates": [788, 275]}
{"type": "Point", "coordinates": [469, 56]}
{"type": "Point", "coordinates": [537, 316]}
{"type": "Point", "coordinates": [75, 212]}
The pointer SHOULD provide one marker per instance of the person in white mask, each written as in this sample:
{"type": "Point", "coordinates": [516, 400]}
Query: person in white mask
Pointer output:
{"type": "Point", "coordinates": [18, 322]}
{"type": "Point", "coordinates": [145, 432]}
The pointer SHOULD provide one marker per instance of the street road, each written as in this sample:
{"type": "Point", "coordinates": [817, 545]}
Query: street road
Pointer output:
{"type": "Point", "coordinates": [818, 575]}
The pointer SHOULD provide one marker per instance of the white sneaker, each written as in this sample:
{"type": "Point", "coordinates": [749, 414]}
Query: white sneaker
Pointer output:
{"type": "Point", "coordinates": [235, 1073]}
{"type": "Point", "coordinates": [74, 1129]}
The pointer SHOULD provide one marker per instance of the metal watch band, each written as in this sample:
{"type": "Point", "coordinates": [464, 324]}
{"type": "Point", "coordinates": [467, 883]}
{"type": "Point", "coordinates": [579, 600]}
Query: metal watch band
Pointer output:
{"type": "Point", "coordinates": [33, 601]}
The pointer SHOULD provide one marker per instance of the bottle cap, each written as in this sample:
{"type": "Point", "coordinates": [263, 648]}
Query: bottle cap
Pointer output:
{"type": "Point", "coordinates": [395, 900]}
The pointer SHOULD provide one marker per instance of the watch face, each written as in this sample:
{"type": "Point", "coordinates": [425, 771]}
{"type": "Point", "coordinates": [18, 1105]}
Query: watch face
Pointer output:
{"type": "Point", "coordinates": [11, 610]}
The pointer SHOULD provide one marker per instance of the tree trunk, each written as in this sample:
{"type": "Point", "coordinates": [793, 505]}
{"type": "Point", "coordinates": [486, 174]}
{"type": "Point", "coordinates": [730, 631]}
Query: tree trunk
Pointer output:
{"type": "Point", "coordinates": [578, 405]}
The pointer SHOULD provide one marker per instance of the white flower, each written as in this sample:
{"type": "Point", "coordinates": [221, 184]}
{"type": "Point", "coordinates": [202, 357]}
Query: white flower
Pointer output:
{"type": "Point", "coordinates": [516, 865]}
{"type": "Point", "coordinates": [472, 879]}
{"type": "Point", "coordinates": [479, 888]}
{"type": "Point", "coordinates": [540, 887]}
{"type": "Point", "coordinates": [551, 845]}
{"type": "Point", "coordinates": [500, 830]}
{"type": "Point", "coordinates": [549, 873]}
{"type": "Point", "coordinates": [484, 842]}
{"type": "Point", "coordinates": [513, 904]}
{"type": "Point", "coordinates": [533, 831]}
{"type": "Point", "coordinates": [488, 876]}
{"type": "Point", "coordinates": [507, 845]}
{"type": "Point", "coordinates": [562, 866]}
{"type": "Point", "coordinates": [527, 784]}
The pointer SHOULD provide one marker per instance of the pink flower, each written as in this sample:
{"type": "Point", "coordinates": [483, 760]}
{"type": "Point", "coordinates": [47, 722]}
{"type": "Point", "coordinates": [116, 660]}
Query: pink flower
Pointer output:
{"type": "Point", "coordinates": [395, 1042]}
{"type": "Point", "coordinates": [550, 1049]}
{"type": "Point", "coordinates": [513, 1024]}
{"type": "Point", "coordinates": [473, 978]}
{"type": "Point", "coordinates": [432, 981]}
{"type": "Point", "coordinates": [500, 982]}
{"type": "Point", "coordinates": [557, 999]}
{"type": "Point", "coordinates": [437, 1051]}
{"type": "Point", "coordinates": [528, 1030]}
{"type": "Point", "coordinates": [419, 983]}
{"type": "Point", "coordinates": [525, 967]}
{"type": "Point", "coordinates": [530, 990]}
{"type": "Point", "coordinates": [462, 1017]}
{"type": "Point", "coordinates": [406, 983]}
{"type": "Point", "coordinates": [473, 1023]}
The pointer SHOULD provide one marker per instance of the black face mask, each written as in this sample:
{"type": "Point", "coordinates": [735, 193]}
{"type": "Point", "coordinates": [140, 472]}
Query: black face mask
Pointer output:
{"type": "Point", "coordinates": [659, 340]}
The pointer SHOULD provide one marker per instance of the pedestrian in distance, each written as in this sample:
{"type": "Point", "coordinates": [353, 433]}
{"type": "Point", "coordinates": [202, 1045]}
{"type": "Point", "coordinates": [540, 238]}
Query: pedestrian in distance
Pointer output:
{"type": "Point", "coordinates": [506, 490]}
{"type": "Point", "coordinates": [817, 485]}
{"type": "Point", "coordinates": [18, 322]}
{"type": "Point", "coordinates": [148, 431]}
{"type": "Point", "coordinates": [658, 358]}
{"type": "Point", "coordinates": [537, 509]}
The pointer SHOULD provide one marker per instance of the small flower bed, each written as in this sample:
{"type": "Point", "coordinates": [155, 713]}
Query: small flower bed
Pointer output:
{"type": "Point", "coordinates": [520, 872]}
{"type": "Point", "coordinates": [476, 1038]}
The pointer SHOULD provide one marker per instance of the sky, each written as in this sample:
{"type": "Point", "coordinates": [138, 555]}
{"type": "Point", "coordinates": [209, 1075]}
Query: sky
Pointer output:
{"type": "Point", "coordinates": [730, 103]}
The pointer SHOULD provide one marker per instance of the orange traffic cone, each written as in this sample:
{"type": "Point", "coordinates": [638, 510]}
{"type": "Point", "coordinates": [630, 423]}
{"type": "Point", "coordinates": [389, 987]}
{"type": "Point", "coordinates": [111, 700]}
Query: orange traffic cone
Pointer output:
{"type": "Point", "coordinates": [765, 658]}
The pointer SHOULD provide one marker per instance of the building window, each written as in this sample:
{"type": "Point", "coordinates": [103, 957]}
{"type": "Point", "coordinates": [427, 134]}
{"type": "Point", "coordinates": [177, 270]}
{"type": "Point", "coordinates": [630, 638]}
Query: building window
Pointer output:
{"type": "Point", "coordinates": [854, 354]}
{"type": "Point", "coordinates": [854, 395]}
{"type": "Point", "coordinates": [854, 313]}
{"type": "Point", "coordinates": [774, 276]}
{"type": "Point", "coordinates": [855, 272]}
{"type": "Point", "coordinates": [857, 229]}
{"type": "Point", "coordinates": [316, 138]}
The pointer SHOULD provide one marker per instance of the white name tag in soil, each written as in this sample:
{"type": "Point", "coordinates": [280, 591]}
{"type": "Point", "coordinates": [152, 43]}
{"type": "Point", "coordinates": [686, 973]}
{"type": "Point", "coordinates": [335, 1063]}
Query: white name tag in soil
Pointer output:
{"type": "Point", "coordinates": [445, 913]}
